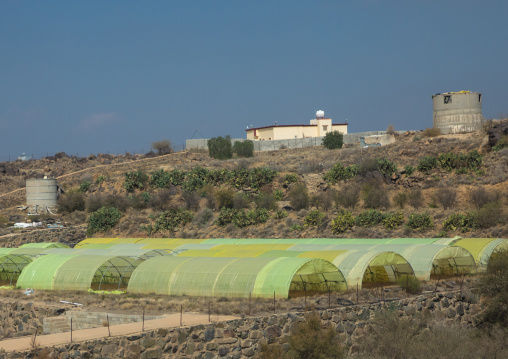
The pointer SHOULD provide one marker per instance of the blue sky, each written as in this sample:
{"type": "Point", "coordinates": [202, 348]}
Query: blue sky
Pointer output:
{"type": "Point", "coordinates": [113, 76]}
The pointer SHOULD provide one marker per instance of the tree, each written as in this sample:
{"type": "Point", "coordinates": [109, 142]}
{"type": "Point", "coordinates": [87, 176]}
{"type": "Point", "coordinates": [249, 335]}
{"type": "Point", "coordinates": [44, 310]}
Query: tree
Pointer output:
{"type": "Point", "coordinates": [220, 147]}
{"type": "Point", "coordinates": [244, 148]}
{"type": "Point", "coordinates": [333, 140]}
{"type": "Point", "coordinates": [162, 147]}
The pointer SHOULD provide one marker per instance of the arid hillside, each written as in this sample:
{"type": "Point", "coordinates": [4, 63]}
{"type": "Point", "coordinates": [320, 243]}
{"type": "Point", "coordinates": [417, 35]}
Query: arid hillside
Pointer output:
{"type": "Point", "coordinates": [419, 186]}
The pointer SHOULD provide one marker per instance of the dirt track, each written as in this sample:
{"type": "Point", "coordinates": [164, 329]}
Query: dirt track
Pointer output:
{"type": "Point", "coordinates": [48, 340]}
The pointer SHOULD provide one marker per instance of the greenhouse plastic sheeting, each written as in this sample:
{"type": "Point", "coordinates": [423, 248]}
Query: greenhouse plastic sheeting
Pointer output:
{"type": "Point", "coordinates": [44, 245]}
{"type": "Point", "coordinates": [34, 252]}
{"type": "Point", "coordinates": [93, 240]}
{"type": "Point", "coordinates": [355, 263]}
{"type": "Point", "coordinates": [231, 277]}
{"type": "Point", "coordinates": [11, 266]}
{"type": "Point", "coordinates": [41, 272]}
{"type": "Point", "coordinates": [482, 248]}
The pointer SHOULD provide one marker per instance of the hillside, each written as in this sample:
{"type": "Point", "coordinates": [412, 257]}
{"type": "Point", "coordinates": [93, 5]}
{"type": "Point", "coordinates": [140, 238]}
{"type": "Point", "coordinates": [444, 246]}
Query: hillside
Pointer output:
{"type": "Point", "coordinates": [453, 185]}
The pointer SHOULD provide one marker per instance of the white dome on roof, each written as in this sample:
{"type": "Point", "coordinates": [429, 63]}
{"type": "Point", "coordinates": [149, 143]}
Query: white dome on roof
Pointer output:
{"type": "Point", "coordinates": [320, 114]}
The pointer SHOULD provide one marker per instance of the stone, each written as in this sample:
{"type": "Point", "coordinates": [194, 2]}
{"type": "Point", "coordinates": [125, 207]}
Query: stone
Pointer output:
{"type": "Point", "coordinates": [132, 351]}
{"type": "Point", "coordinates": [109, 350]}
{"type": "Point", "coordinates": [209, 334]}
{"type": "Point", "coordinates": [460, 309]}
{"type": "Point", "coordinates": [133, 338]}
{"type": "Point", "coordinates": [147, 342]}
{"type": "Point", "coordinates": [255, 334]}
{"type": "Point", "coordinates": [351, 316]}
{"type": "Point", "coordinates": [227, 340]}
{"type": "Point", "coordinates": [430, 304]}
{"type": "Point", "coordinates": [273, 331]}
{"type": "Point", "coordinates": [219, 333]}
{"type": "Point", "coordinates": [223, 351]}
{"type": "Point", "coordinates": [190, 348]}
{"type": "Point", "coordinates": [340, 328]}
{"type": "Point", "coordinates": [410, 310]}
{"type": "Point", "coordinates": [211, 346]}
{"type": "Point", "coordinates": [161, 332]}
{"type": "Point", "coordinates": [246, 343]}
{"type": "Point", "coordinates": [445, 303]}
{"type": "Point", "coordinates": [152, 353]}
{"type": "Point", "coordinates": [228, 333]}
{"type": "Point", "coordinates": [450, 312]}
{"type": "Point", "coordinates": [209, 355]}
{"type": "Point", "coordinates": [248, 352]}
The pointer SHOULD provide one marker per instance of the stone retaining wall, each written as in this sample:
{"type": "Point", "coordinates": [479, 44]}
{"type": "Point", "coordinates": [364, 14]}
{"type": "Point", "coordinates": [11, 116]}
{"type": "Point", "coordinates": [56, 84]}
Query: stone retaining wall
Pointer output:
{"type": "Point", "coordinates": [242, 338]}
{"type": "Point", "coordinates": [69, 236]}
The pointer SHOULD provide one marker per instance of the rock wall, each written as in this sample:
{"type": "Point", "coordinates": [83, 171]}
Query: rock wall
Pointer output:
{"type": "Point", "coordinates": [242, 338]}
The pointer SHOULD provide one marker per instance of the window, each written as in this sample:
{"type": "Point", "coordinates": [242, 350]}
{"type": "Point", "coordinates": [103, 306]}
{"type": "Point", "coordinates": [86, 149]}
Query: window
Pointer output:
{"type": "Point", "coordinates": [448, 99]}
{"type": "Point", "coordinates": [325, 128]}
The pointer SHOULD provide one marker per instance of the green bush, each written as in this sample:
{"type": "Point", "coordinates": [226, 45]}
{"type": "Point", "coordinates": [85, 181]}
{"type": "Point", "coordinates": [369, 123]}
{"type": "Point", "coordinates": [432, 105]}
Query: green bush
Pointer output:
{"type": "Point", "coordinates": [458, 221]}
{"type": "Point", "coordinates": [370, 217]}
{"type": "Point", "coordinates": [224, 197]}
{"type": "Point", "coordinates": [393, 220]}
{"type": "Point", "coordinates": [314, 218]}
{"type": "Point", "coordinates": [386, 167]}
{"type": "Point", "coordinates": [280, 214]}
{"type": "Point", "coordinates": [171, 219]}
{"type": "Point", "coordinates": [427, 163]}
{"type": "Point", "coordinates": [290, 178]}
{"type": "Point", "coordinates": [266, 201]}
{"type": "Point", "coordinates": [225, 216]}
{"type": "Point", "coordinates": [220, 148]}
{"type": "Point", "coordinates": [135, 180]}
{"type": "Point", "coordinates": [340, 173]}
{"type": "Point", "coordinates": [244, 148]}
{"type": "Point", "coordinates": [419, 221]}
{"type": "Point", "coordinates": [333, 140]}
{"type": "Point", "coordinates": [240, 201]}
{"type": "Point", "coordinates": [278, 195]}
{"type": "Point", "coordinates": [71, 201]}
{"type": "Point", "coordinates": [103, 220]}
{"type": "Point", "coordinates": [460, 162]}
{"type": "Point", "coordinates": [162, 147]}
{"type": "Point", "coordinates": [100, 180]}
{"type": "Point", "coordinates": [84, 186]}
{"type": "Point", "coordinates": [160, 179]}
{"type": "Point", "coordinates": [409, 170]}
{"type": "Point", "coordinates": [342, 222]}
{"type": "Point", "coordinates": [299, 197]}
{"type": "Point", "coordinates": [243, 218]}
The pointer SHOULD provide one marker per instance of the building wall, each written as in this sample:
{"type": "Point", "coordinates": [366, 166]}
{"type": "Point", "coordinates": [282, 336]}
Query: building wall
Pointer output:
{"type": "Point", "coordinates": [457, 112]}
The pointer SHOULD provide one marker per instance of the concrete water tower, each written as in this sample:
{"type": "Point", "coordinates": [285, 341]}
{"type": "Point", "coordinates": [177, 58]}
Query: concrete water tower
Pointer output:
{"type": "Point", "coordinates": [457, 112]}
{"type": "Point", "coordinates": [41, 195]}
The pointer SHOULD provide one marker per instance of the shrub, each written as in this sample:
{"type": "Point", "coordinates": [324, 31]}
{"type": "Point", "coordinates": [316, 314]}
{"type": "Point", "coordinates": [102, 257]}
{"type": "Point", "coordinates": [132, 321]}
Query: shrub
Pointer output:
{"type": "Point", "coordinates": [160, 179]}
{"type": "Point", "coordinates": [374, 197]}
{"type": "Point", "coordinates": [369, 217]}
{"type": "Point", "coordinates": [278, 194]}
{"type": "Point", "coordinates": [458, 221]}
{"type": "Point", "coordinates": [191, 200]}
{"type": "Point", "coordinates": [290, 178]}
{"type": "Point", "coordinates": [386, 167]}
{"type": "Point", "coordinates": [280, 214]}
{"type": "Point", "coordinates": [172, 219]}
{"type": "Point", "coordinates": [204, 216]}
{"type": "Point", "coordinates": [342, 222]}
{"type": "Point", "coordinates": [409, 170]}
{"type": "Point", "coordinates": [390, 130]}
{"type": "Point", "coordinates": [415, 198]}
{"type": "Point", "coordinates": [220, 148]}
{"type": "Point", "coordinates": [161, 200]}
{"type": "Point", "coordinates": [393, 220]}
{"type": "Point", "coordinates": [266, 201]}
{"type": "Point", "coordinates": [225, 216]}
{"type": "Point", "coordinates": [340, 173]}
{"type": "Point", "coordinates": [426, 164]}
{"type": "Point", "coordinates": [479, 197]}
{"type": "Point", "coordinates": [366, 165]}
{"type": "Point", "coordinates": [419, 221]}
{"type": "Point", "coordinates": [490, 215]}
{"type": "Point", "coordinates": [162, 147]}
{"type": "Point", "coordinates": [446, 197]}
{"type": "Point", "coordinates": [333, 140]}
{"type": "Point", "coordinates": [243, 218]}
{"type": "Point", "coordinates": [409, 283]}
{"type": "Point", "coordinates": [135, 180]}
{"type": "Point", "coordinates": [400, 199]}
{"type": "Point", "coordinates": [244, 148]}
{"type": "Point", "coordinates": [240, 201]}
{"type": "Point", "coordinates": [71, 201]}
{"type": "Point", "coordinates": [348, 197]}
{"type": "Point", "coordinates": [299, 197]}
{"type": "Point", "coordinates": [309, 339]}
{"type": "Point", "coordinates": [100, 180]}
{"type": "Point", "coordinates": [224, 197]}
{"type": "Point", "coordinates": [500, 144]}
{"type": "Point", "coordinates": [84, 186]}
{"type": "Point", "coordinates": [314, 218]}
{"type": "Point", "coordinates": [103, 220]}
{"type": "Point", "coordinates": [431, 132]}
{"type": "Point", "coordinates": [493, 286]}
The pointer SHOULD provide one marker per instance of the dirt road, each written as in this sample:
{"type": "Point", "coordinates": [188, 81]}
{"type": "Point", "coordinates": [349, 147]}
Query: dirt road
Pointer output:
{"type": "Point", "coordinates": [48, 340]}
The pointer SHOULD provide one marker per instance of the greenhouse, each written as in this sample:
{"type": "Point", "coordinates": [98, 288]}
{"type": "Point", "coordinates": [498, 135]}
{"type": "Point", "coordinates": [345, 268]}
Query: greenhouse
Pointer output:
{"type": "Point", "coordinates": [76, 272]}
{"type": "Point", "coordinates": [235, 277]}
{"type": "Point", "coordinates": [483, 249]}
{"type": "Point", "coordinates": [11, 266]}
{"type": "Point", "coordinates": [44, 245]}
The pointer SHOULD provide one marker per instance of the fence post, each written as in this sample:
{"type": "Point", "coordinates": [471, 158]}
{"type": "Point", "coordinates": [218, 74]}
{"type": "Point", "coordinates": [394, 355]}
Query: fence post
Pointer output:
{"type": "Point", "coordinates": [71, 330]}
{"type": "Point", "coordinates": [356, 293]}
{"type": "Point", "coordinates": [273, 302]}
{"type": "Point", "coordinates": [250, 295]}
{"type": "Point", "coordinates": [107, 318]}
{"type": "Point", "coordinates": [209, 312]}
{"type": "Point", "coordinates": [181, 314]}
{"type": "Point", "coordinates": [143, 327]}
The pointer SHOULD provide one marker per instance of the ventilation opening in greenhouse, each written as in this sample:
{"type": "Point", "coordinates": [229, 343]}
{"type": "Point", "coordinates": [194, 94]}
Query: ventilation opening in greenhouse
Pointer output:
{"type": "Point", "coordinates": [452, 262]}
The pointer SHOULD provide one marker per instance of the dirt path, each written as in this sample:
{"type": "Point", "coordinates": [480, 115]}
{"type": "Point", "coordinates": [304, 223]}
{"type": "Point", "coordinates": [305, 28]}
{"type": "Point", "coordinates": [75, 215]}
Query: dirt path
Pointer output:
{"type": "Point", "coordinates": [48, 340]}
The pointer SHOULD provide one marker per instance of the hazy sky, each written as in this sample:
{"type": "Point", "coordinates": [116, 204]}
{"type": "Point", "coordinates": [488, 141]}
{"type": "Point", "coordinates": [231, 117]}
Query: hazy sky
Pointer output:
{"type": "Point", "coordinates": [111, 76]}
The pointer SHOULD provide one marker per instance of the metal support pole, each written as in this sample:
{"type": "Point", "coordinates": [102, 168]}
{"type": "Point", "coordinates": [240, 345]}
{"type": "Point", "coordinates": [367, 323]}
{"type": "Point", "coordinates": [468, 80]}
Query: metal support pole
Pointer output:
{"type": "Point", "coordinates": [273, 302]}
{"type": "Point", "coordinates": [181, 314]}
{"type": "Point", "coordinates": [209, 312]}
{"type": "Point", "coordinates": [357, 294]}
{"type": "Point", "coordinates": [305, 293]}
{"type": "Point", "coordinates": [109, 331]}
{"type": "Point", "coordinates": [71, 330]}
{"type": "Point", "coordinates": [329, 299]}
{"type": "Point", "coordinates": [143, 327]}
{"type": "Point", "coordinates": [250, 295]}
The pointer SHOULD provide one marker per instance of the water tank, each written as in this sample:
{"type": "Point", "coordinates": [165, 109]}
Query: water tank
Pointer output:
{"type": "Point", "coordinates": [456, 112]}
{"type": "Point", "coordinates": [41, 194]}
{"type": "Point", "coordinates": [320, 114]}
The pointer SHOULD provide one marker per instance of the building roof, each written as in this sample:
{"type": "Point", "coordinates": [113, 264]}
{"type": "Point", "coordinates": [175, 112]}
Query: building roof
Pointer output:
{"type": "Point", "coordinates": [260, 128]}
